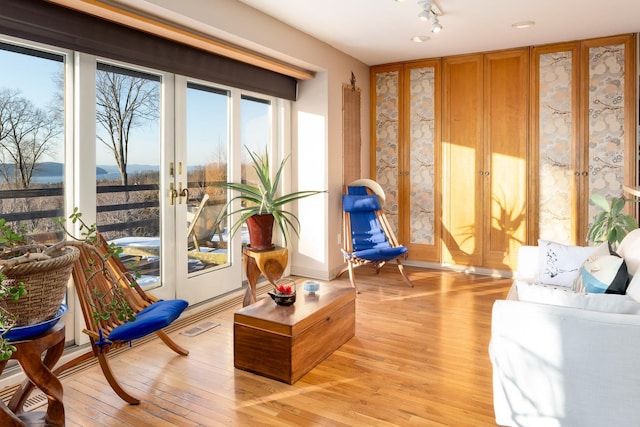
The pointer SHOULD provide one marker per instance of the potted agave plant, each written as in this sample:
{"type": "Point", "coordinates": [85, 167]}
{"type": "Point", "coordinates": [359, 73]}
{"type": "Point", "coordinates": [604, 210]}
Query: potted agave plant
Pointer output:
{"type": "Point", "coordinates": [261, 206]}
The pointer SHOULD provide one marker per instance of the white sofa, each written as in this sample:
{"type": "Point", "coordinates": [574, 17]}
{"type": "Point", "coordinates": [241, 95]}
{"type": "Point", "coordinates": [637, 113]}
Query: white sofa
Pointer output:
{"type": "Point", "coordinates": [557, 365]}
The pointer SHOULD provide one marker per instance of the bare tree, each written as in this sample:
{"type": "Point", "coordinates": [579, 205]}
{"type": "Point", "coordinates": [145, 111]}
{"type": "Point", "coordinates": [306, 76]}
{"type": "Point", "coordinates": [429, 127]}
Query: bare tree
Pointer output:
{"type": "Point", "coordinates": [124, 102]}
{"type": "Point", "coordinates": [26, 134]}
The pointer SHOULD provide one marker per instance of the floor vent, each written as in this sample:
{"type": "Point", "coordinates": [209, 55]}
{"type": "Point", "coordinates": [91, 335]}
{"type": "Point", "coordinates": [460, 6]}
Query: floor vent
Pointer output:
{"type": "Point", "coordinates": [36, 400]}
{"type": "Point", "coordinates": [198, 329]}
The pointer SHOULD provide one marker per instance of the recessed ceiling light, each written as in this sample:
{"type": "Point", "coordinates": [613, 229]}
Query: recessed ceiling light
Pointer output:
{"type": "Point", "coordinates": [523, 24]}
{"type": "Point", "coordinates": [419, 39]}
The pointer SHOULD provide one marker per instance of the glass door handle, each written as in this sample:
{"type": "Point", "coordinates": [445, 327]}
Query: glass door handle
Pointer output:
{"type": "Point", "coordinates": [184, 192]}
{"type": "Point", "coordinates": [172, 194]}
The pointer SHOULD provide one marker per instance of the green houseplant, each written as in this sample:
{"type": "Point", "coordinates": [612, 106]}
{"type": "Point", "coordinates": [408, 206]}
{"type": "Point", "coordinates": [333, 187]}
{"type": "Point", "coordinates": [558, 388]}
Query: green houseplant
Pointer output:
{"type": "Point", "coordinates": [34, 271]}
{"type": "Point", "coordinates": [612, 224]}
{"type": "Point", "coordinates": [16, 252]}
{"type": "Point", "coordinates": [261, 206]}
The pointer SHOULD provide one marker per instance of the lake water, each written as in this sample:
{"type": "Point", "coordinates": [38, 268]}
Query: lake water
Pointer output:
{"type": "Point", "coordinates": [55, 179]}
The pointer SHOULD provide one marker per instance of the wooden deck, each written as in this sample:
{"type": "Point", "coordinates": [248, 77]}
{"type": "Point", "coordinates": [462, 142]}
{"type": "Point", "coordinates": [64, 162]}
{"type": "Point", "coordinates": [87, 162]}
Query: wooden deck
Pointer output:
{"type": "Point", "coordinates": [419, 358]}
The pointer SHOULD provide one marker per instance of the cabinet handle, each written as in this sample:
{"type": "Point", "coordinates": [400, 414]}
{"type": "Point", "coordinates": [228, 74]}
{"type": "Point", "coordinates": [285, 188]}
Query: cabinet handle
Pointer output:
{"type": "Point", "coordinates": [585, 173]}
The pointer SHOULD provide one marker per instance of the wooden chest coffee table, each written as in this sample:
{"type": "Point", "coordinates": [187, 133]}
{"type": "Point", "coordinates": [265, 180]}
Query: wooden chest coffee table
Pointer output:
{"type": "Point", "coordinates": [284, 343]}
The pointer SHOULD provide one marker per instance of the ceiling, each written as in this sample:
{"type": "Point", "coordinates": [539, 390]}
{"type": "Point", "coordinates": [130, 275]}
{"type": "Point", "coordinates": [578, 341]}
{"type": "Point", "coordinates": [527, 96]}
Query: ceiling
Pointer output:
{"type": "Point", "coordinates": [379, 31]}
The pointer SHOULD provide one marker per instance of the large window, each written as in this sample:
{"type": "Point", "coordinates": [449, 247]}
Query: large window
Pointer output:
{"type": "Point", "coordinates": [207, 155]}
{"type": "Point", "coordinates": [31, 139]}
{"type": "Point", "coordinates": [128, 149]}
{"type": "Point", "coordinates": [139, 151]}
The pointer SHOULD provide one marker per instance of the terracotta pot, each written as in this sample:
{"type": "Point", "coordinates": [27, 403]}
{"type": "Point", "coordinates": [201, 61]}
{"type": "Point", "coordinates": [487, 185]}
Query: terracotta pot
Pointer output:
{"type": "Point", "coordinates": [260, 232]}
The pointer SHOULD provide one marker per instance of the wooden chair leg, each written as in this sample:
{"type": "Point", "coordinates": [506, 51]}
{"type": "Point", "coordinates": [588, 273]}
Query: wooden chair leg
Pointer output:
{"type": "Point", "coordinates": [351, 277]}
{"type": "Point", "coordinates": [378, 265]}
{"type": "Point", "coordinates": [113, 382]}
{"type": "Point", "coordinates": [404, 274]}
{"type": "Point", "coordinates": [341, 272]}
{"type": "Point", "coordinates": [171, 343]}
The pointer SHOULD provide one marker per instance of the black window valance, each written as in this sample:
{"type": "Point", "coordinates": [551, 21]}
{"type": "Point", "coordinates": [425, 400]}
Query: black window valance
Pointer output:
{"type": "Point", "coordinates": [51, 24]}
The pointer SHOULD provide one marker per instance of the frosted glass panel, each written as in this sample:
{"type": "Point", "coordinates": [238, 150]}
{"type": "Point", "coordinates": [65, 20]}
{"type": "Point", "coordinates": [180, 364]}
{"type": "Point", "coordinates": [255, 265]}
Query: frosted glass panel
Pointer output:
{"type": "Point", "coordinates": [421, 171]}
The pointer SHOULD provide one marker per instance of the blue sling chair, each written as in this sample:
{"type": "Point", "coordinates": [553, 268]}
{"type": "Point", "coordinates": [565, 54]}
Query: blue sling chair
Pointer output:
{"type": "Point", "coordinates": [367, 236]}
{"type": "Point", "coordinates": [109, 333]}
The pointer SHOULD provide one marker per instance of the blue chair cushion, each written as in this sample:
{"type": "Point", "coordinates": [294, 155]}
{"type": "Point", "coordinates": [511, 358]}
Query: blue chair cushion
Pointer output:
{"type": "Point", "coordinates": [153, 318]}
{"type": "Point", "coordinates": [357, 190]}
{"type": "Point", "coordinates": [351, 203]}
{"type": "Point", "coordinates": [366, 232]}
{"type": "Point", "coordinates": [381, 254]}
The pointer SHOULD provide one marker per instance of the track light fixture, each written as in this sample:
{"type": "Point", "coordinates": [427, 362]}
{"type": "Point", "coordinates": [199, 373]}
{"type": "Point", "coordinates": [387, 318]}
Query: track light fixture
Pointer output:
{"type": "Point", "coordinates": [435, 24]}
{"type": "Point", "coordinates": [430, 11]}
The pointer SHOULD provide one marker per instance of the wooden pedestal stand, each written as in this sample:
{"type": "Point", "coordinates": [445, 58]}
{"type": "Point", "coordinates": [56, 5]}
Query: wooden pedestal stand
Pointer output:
{"type": "Point", "coordinates": [270, 263]}
{"type": "Point", "coordinates": [38, 371]}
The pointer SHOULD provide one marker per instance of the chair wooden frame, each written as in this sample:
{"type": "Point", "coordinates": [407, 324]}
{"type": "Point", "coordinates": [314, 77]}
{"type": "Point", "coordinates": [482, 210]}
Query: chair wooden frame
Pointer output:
{"type": "Point", "coordinates": [347, 250]}
{"type": "Point", "coordinates": [89, 285]}
{"type": "Point", "coordinates": [193, 219]}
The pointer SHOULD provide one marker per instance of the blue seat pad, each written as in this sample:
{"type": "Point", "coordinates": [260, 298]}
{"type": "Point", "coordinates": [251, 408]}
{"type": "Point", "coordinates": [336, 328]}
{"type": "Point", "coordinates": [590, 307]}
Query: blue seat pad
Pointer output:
{"type": "Point", "coordinates": [153, 318]}
{"type": "Point", "coordinates": [381, 254]}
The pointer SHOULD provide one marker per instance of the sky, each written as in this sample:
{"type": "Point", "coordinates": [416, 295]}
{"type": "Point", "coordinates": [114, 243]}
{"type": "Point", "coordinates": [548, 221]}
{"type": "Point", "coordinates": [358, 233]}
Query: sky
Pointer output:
{"type": "Point", "coordinates": [206, 123]}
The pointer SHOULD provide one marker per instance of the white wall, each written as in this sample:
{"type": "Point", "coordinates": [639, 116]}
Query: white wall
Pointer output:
{"type": "Point", "coordinates": [316, 116]}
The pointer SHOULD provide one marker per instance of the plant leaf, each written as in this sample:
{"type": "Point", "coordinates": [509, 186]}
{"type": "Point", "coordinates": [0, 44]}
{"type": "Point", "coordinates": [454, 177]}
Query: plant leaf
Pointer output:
{"type": "Point", "coordinates": [601, 202]}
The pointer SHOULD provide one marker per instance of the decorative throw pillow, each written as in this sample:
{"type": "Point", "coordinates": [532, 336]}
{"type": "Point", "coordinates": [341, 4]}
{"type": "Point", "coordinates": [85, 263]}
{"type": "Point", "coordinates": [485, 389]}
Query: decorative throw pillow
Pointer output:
{"type": "Point", "coordinates": [603, 274]}
{"type": "Point", "coordinates": [559, 264]}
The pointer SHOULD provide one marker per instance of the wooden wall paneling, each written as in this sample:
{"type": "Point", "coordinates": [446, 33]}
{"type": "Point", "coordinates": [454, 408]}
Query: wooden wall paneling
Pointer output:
{"type": "Point", "coordinates": [351, 137]}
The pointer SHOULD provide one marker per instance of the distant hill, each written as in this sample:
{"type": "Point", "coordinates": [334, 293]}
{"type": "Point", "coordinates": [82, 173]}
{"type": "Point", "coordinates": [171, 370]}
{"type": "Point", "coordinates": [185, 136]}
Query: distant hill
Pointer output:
{"type": "Point", "coordinates": [52, 171]}
{"type": "Point", "coordinates": [130, 168]}
{"type": "Point", "coordinates": [47, 169]}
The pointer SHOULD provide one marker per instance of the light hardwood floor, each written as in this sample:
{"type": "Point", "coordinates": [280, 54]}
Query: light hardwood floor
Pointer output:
{"type": "Point", "coordinates": [419, 358]}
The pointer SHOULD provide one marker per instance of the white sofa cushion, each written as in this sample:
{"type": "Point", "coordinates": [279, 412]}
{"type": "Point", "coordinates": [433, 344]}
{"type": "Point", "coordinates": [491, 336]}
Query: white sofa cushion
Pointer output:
{"type": "Point", "coordinates": [558, 264]}
{"type": "Point", "coordinates": [633, 290]}
{"type": "Point", "coordinates": [558, 366]}
{"type": "Point", "coordinates": [565, 297]}
{"type": "Point", "coordinates": [527, 269]}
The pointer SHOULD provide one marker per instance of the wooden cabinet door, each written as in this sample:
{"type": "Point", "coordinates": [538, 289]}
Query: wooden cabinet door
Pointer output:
{"type": "Point", "coordinates": [406, 138]}
{"type": "Point", "coordinates": [485, 134]}
{"type": "Point", "coordinates": [463, 160]}
{"type": "Point", "coordinates": [608, 127]}
{"type": "Point", "coordinates": [506, 100]}
{"type": "Point", "coordinates": [387, 135]}
{"type": "Point", "coordinates": [555, 156]}
{"type": "Point", "coordinates": [583, 133]}
{"type": "Point", "coordinates": [419, 198]}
